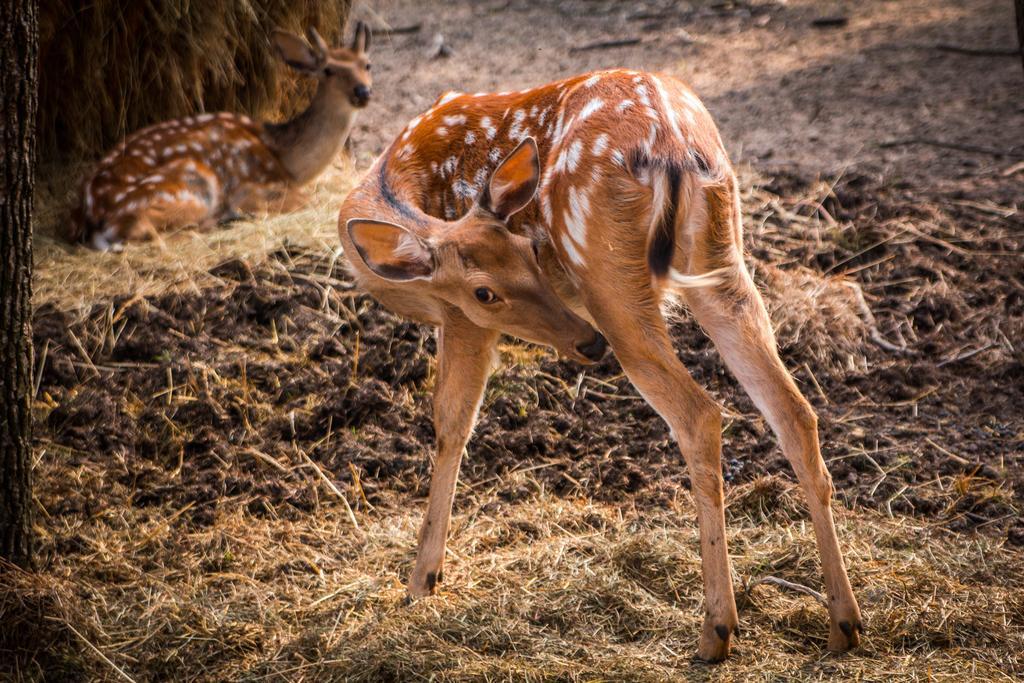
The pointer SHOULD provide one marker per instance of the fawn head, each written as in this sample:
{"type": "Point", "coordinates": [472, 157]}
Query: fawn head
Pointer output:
{"type": "Point", "coordinates": [343, 70]}
{"type": "Point", "coordinates": [478, 265]}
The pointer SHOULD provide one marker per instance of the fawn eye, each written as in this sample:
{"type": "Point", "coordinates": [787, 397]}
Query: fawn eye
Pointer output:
{"type": "Point", "coordinates": [368, 66]}
{"type": "Point", "coordinates": [484, 295]}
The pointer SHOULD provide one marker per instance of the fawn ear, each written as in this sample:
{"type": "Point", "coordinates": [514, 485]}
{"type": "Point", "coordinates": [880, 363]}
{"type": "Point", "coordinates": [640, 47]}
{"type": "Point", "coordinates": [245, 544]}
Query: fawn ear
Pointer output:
{"type": "Point", "coordinates": [317, 43]}
{"type": "Point", "coordinates": [391, 251]}
{"type": "Point", "coordinates": [361, 39]}
{"type": "Point", "coordinates": [514, 182]}
{"type": "Point", "coordinates": [296, 52]}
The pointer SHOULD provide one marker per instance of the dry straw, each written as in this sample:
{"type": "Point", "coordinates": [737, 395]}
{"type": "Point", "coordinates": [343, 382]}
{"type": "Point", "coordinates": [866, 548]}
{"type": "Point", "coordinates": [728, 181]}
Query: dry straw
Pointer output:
{"type": "Point", "coordinates": [544, 589]}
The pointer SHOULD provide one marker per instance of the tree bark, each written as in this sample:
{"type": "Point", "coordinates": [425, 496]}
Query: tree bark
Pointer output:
{"type": "Point", "coordinates": [18, 58]}
{"type": "Point", "coordinates": [1019, 4]}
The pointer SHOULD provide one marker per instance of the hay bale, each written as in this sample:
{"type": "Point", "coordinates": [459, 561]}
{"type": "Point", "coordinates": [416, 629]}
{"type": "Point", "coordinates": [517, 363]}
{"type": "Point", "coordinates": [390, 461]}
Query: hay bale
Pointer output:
{"type": "Point", "coordinates": [108, 68]}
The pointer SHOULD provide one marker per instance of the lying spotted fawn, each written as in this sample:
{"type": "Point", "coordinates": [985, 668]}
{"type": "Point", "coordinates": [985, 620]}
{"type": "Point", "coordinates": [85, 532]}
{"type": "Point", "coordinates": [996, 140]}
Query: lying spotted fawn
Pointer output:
{"type": "Point", "coordinates": [213, 168]}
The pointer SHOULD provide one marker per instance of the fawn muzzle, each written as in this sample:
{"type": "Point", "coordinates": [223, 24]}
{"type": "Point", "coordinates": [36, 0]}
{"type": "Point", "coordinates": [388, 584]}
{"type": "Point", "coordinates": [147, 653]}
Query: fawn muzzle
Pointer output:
{"type": "Point", "coordinates": [594, 349]}
{"type": "Point", "coordinates": [360, 95]}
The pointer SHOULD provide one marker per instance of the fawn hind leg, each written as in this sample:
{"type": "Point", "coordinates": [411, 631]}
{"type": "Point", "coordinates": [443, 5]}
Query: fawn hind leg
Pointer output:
{"type": "Point", "coordinates": [735, 318]}
{"type": "Point", "coordinates": [631, 320]}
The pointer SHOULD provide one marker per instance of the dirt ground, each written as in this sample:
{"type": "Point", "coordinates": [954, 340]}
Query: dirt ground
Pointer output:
{"type": "Point", "coordinates": [182, 433]}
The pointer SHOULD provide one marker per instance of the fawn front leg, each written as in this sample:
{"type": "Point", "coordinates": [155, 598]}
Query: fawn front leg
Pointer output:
{"type": "Point", "coordinates": [466, 356]}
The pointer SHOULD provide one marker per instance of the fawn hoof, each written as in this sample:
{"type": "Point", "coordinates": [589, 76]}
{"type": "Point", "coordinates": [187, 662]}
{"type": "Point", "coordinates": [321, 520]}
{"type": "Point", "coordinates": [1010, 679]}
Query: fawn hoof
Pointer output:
{"type": "Point", "coordinates": [715, 641]}
{"type": "Point", "coordinates": [845, 634]}
{"type": "Point", "coordinates": [423, 587]}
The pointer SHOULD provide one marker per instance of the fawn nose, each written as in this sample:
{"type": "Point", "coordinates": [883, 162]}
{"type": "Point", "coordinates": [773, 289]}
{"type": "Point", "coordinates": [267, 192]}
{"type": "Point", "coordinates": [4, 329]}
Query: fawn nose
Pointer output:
{"type": "Point", "coordinates": [594, 349]}
{"type": "Point", "coordinates": [361, 94]}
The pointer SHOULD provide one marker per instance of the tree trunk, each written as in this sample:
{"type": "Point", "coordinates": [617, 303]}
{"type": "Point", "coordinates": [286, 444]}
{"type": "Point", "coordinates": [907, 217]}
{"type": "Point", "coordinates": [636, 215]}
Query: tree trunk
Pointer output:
{"type": "Point", "coordinates": [18, 54]}
{"type": "Point", "coordinates": [1020, 29]}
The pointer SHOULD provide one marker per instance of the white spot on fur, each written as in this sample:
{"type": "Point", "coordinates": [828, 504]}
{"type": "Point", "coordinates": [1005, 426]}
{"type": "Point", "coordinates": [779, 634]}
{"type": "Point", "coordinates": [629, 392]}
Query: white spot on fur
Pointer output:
{"type": "Point", "coordinates": [470, 137]}
{"type": "Point", "coordinates": [448, 167]}
{"type": "Point", "coordinates": [691, 100]}
{"type": "Point", "coordinates": [670, 112]}
{"type": "Point", "coordinates": [517, 131]}
{"type": "Point", "coordinates": [618, 158]}
{"type": "Point", "coordinates": [480, 177]}
{"type": "Point", "coordinates": [441, 131]}
{"type": "Point", "coordinates": [592, 81]}
{"type": "Point", "coordinates": [463, 189]}
{"type": "Point", "coordinates": [494, 155]}
{"type": "Point", "coordinates": [454, 120]}
{"type": "Point", "coordinates": [448, 97]}
{"type": "Point", "coordinates": [572, 158]}
{"type": "Point", "coordinates": [600, 144]}
{"type": "Point", "coordinates": [489, 129]}
{"type": "Point", "coordinates": [577, 213]}
{"type": "Point", "coordinates": [641, 91]}
{"type": "Point", "coordinates": [545, 208]}
{"type": "Point", "coordinates": [590, 107]}
{"type": "Point", "coordinates": [652, 135]}
{"type": "Point", "coordinates": [571, 251]}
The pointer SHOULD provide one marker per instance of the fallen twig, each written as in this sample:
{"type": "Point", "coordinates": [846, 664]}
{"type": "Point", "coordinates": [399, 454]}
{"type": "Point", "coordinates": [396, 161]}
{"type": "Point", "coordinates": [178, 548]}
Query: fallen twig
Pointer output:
{"type": "Point", "coordinates": [953, 145]}
{"type": "Point", "coordinates": [397, 30]}
{"type": "Point", "coordinates": [605, 44]}
{"type": "Point", "coordinates": [830, 22]}
{"type": "Point", "coordinates": [782, 583]}
{"type": "Point", "coordinates": [331, 486]}
{"type": "Point", "coordinates": [99, 652]}
{"type": "Point", "coordinates": [979, 51]}
{"type": "Point", "coordinates": [869, 319]}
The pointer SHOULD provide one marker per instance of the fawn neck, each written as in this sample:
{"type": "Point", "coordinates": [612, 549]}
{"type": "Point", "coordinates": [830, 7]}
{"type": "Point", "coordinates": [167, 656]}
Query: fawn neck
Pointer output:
{"type": "Point", "coordinates": [307, 143]}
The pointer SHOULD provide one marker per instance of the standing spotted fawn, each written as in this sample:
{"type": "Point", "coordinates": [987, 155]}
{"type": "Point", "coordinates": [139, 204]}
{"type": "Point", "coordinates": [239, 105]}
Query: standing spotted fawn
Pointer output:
{"type": "Point", "coordinates": [635, 202]}
{"type": "Point", "coordinates": [213, 168]}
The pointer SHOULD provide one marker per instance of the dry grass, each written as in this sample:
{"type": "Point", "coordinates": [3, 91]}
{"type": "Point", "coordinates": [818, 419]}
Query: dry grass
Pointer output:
{"type": "Point", "coordinates": [133, 64]}
{"type": "Point", "coordinates": [545, 589]}
{"type": "Point", "coordinates": [72, 276]}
